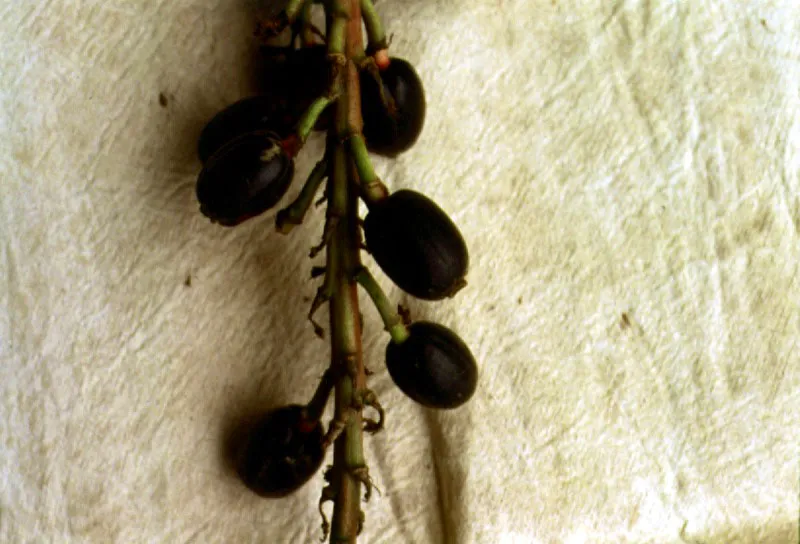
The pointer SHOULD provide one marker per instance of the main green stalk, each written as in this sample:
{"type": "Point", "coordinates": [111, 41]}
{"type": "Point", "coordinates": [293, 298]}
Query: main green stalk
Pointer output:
{"type": "Point", "coordinates": [343, 261]}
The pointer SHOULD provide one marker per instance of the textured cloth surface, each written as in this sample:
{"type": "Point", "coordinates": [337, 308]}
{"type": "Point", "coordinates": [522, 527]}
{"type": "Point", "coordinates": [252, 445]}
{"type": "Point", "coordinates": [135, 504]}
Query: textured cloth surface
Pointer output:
{"type": "Point", "coordinates": [625, 174]}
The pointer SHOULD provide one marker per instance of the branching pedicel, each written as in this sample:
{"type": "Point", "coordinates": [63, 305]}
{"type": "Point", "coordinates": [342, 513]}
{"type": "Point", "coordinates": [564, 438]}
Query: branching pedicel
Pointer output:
{"type": "Point", "coordinates": [248, 153]}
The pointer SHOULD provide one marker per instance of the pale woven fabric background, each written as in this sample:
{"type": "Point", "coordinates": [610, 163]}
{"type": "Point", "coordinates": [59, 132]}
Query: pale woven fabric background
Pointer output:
{"type": "Point", "coordinates": [601, 158]}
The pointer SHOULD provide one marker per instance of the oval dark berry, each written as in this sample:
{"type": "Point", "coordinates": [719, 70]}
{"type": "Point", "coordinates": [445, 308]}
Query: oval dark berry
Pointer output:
{"type": "Point", "coordinates": [392, 132]}
{"type": "Point", "coordinates": [281, 453]}
{"type": "Point", "coordinates": [433, 366]}
{"type": "Point", "coordinates": [257, 113]}
{"type": "Point", "coordinates": [417, 245]}
{"type": "Point", "coordinates": [244, 178]}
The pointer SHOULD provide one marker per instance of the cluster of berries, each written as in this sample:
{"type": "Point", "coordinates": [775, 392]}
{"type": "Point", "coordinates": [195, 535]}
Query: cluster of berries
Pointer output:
{"type": "Point", "coordinates": [248, 152]}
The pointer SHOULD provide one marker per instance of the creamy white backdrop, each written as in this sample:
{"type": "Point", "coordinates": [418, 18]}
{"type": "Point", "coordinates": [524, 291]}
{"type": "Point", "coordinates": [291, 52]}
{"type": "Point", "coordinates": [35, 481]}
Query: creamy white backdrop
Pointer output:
{"type": "Point", "coordinates": [601, 158]}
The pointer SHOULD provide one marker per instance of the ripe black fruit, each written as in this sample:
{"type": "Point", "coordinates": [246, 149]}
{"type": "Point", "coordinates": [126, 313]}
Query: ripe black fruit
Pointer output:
{"type": "Point", "coordinates": [433, 366]}
{"type": "Point", "coordinates": [281, 453]}
{"type": "Point", "coordinates": [257, 113]}
{"type": "Point", "coordinates": [244, 178]}
{"type": "Point", "coordinates": [291, 80]}
{"type": "Point", "coordinates": [417, 245]}
{"type": "Point", "coordinates": [392, 132]}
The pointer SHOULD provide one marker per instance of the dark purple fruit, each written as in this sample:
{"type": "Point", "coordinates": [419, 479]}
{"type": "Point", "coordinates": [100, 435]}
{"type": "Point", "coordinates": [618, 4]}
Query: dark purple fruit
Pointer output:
{"type": "Point", "coordinates": [244, 178]}
{"type": "Point", "coordinates": [433, 366]}
{"type": "Point", "coordinates": [392, 132]}
{"type": "Point", "coordinates": [281, 453]}
{"type": "Point", "coordinates": [294, 78]}
{"type": "Point", "coordinates": [291, 79]}
{"type": "Point", "coordinates": [417, 245]}
{"type": "Point", "coordinates": [257, 113]}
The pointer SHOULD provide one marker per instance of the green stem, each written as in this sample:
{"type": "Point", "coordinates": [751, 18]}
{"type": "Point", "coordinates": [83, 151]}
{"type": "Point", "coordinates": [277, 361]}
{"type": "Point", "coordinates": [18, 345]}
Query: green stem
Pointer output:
{"type": "Point", "coordinates": [346, 352]}
{"type": "Point", "coordinates": [294, 8]}
{"type": "Point", "coordinates": [372, 188]}
{"type": "Point", "coordinates": [339, 15]}
{"type": "Point", "coordinates": [376, 37]}
{"type": "Point", "coordinates": [349, 468]}
{"type": "Point", "coordinates": [360, 57]}
{"type": "Point", "coordinates": [391, 319]}
{"type": "Point", "coordinates": [306, 32]}
{"type": "Point", "coordinates": [316, 406]}
{"type": "Point", "coordinates": [293, 214]}
{"type": "Point", "coordinates": [311, 115]}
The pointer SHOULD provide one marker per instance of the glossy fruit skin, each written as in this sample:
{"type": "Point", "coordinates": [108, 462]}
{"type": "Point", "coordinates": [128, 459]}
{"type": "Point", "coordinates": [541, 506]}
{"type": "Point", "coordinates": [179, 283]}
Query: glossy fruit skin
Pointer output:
{"type": "Point", "coordinates": [256, 113]}
{"type": "Point", "coordinates": [391, 133]}
{"type": "Point", "coordinates": [244, 178]}
{"type": "Point", "coordinates": [290, 80]}
{"type": "Point", "coordinates": [433, 366]}
{"type": "Point", "coordinates": [281, 453]}
{"type": "Point", "coordinates": [417, 245]}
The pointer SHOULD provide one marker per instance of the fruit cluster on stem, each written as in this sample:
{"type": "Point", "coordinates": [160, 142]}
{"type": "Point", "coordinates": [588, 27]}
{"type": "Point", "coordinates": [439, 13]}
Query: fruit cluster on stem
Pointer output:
{"type": "Point", "coordinates": [367, 102]}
